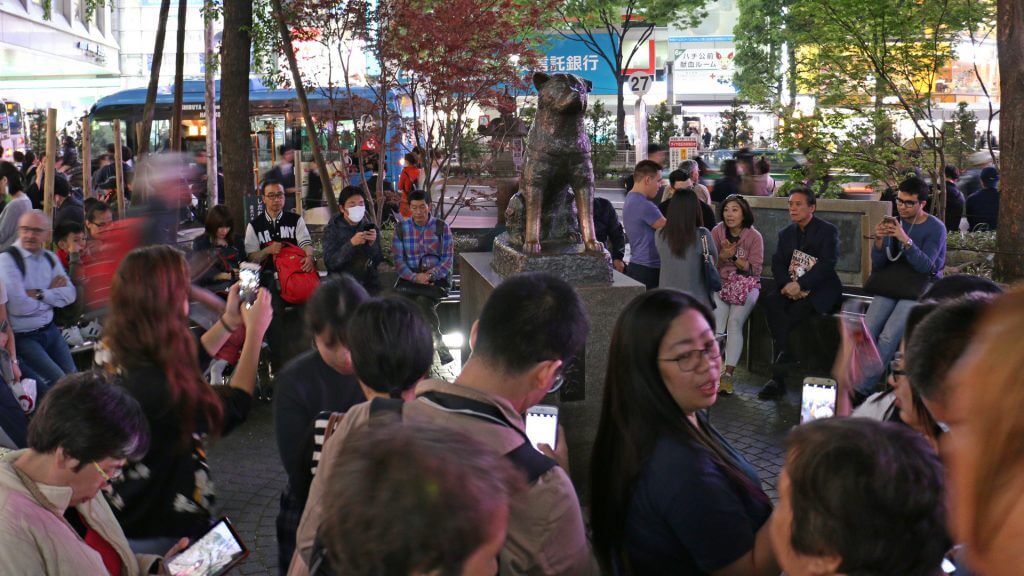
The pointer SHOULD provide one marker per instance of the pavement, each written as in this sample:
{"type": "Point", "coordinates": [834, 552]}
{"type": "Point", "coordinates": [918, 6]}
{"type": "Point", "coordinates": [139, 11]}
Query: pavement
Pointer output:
{"type": "Point", "coordinates": [249, 476]}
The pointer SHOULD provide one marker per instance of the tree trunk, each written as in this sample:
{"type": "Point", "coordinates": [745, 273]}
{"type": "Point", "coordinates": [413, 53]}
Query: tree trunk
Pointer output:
{"type": "Point", "coordinates": [300, 91]}
{"type": "Point", "coordinates": [179, 78]}
{"type": "Point", "coordinates": [1009, 265]}
{"type": "Point", "coordinates": [212, 191]}
{"type": "Point", "coordinates": [234, 99]}
{"type": "Point", "coordinates": [154, 77]}
{"type": "Point", "coordinates": [620, 115]}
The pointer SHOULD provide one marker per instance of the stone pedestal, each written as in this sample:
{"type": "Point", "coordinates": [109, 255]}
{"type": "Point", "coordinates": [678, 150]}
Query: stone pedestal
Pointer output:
{"type": "Point", "coordinates": [573, 264]}
{"type": "Point", "coordinates": [580, 398]}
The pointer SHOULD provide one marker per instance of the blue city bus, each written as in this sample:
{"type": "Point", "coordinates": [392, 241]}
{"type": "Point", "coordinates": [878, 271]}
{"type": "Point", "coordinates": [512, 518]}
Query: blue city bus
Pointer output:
{"type": "Point", "coordinates": [275, 119]}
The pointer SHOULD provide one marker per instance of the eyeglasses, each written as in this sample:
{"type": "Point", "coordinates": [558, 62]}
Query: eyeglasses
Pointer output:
{"type": "Point", "coordinates": [896, 366]}
{"type": "Point", "coordinates": [108, 479]}
{"type": "Point", "coordinates": [101, 224]}
{"type": "Point", "coordinates": [274, 196]}
{"type": "Point", "coordinates": [690, 360]}
{"type": "Point", "coordinates": [559, 380]}
{"type": "Point", "coordinates": [907, 203]}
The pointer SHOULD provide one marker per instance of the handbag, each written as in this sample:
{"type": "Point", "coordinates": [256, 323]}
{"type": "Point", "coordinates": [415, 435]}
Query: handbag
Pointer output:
{"type": "Point", "coordinates": [436, 290]}
{"type": "Point", "coordinates": [711, 275]}
{"type": "Point", "coordinates": [898, 281]}
{"type": "Point", "coordinates": [736, 287]}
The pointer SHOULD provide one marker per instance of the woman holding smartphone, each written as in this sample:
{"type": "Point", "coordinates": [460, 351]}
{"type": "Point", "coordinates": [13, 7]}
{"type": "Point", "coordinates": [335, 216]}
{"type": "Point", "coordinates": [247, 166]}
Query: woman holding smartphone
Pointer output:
{"type": "Point", "coordinates": [148, 344]}
{"type": "Point", "coordinates": [669, 494]}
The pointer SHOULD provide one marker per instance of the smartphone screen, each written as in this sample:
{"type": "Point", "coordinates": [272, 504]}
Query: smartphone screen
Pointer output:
{"type": "Point", "coordinates": [249, 283]}
{"type": "Point", "coordinates": [819, 399]}
{"type": "Point", "coordinates": [212, 555]}
{"type": "Point", "coordinates": [542, 425]}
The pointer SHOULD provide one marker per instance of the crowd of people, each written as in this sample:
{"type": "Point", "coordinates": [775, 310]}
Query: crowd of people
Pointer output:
{"type": "Point", "coordinates": [391, 472]}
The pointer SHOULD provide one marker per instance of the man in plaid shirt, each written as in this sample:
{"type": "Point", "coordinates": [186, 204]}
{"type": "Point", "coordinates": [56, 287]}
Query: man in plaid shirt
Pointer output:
{"type": "Point", "coordinates": [423, 255]}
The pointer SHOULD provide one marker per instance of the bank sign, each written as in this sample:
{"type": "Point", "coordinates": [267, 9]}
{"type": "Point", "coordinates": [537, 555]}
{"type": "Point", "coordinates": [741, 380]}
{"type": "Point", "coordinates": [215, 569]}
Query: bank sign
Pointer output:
{"type": "Point", "coordinates": [704, 70]}
{"type": "Point", "coordinates": [573, 57]}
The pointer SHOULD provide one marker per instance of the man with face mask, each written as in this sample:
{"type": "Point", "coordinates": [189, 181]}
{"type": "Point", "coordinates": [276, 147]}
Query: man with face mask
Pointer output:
{"type": "Point", "coordinates": [350, 241]}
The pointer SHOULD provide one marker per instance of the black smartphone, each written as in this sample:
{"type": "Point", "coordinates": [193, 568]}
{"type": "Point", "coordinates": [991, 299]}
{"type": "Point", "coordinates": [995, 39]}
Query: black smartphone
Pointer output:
{"type": "Point", "coordinates": [213, 554]}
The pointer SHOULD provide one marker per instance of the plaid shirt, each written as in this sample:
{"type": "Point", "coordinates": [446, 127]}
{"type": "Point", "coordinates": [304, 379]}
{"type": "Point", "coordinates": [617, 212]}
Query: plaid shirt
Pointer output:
{"type": "Point", "coordinates": [413, 243]}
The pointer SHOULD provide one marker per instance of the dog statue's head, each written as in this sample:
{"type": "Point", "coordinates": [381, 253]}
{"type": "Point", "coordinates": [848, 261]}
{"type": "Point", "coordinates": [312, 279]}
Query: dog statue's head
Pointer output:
{"type": "Point", "coordinates": [562, 93]}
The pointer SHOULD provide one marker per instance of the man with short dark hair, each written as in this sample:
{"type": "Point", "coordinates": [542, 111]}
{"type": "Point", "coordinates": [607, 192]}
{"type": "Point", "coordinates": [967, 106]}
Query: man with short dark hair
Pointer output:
{"type": "Point", "coordinates": [982, 207]}
{"type": "Point", "coordinates": [284, 173]}
{"type": "Point", "coordinates": [36, 284]}
{"type": "Point", "coordinates": [609, 231]}
{"type": "Point", "coordinates": [918, 241]}
{"type": "Point", "coordinates": [954, 199]}
{"type": "Point", "coordinates": [859, 496]}
{"type": "Point", "coordinates": [937, 344]}
{"type": "Point", "coordinates": [54, 520]}
{"type": "Point", "coordinates": [375, 520]}
{"type": "Point", "coordinates": [806, 283]}
{"type": "Point", "coordinates": [530, 329]}
{"type": "Point", "coordinates": [97, 219]}
{"type": "Point", "coordinates": [265, 236]}
{"type": "Point", "coordinates": [424, 255]}
{"type": "Point", "coordinates": [69, 208]}
{"type": "Point", "coordinates": [685, 178]}
{"type": "Point", "coordinates": [642, 219]}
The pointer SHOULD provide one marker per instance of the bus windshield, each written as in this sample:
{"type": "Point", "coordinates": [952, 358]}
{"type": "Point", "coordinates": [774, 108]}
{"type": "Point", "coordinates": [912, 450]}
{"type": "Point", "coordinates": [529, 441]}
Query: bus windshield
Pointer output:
{"type": "Point", "coordinates": [14, 118]}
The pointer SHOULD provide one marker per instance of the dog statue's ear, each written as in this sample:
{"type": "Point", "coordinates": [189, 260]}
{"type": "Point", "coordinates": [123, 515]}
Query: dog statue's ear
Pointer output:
{"type": "Point", "coordinates": [590, 85]}
{"type": "Point", "coordinates": [540, 79]}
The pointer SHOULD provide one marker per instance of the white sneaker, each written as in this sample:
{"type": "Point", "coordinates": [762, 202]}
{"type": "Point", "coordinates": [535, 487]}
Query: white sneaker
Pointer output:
{"type": "Point", "coordinates": [73, 336]}
{"type": "Point", "coordinates": [92, 330]}
{"type": "Point", "coordinates": [216, 372]}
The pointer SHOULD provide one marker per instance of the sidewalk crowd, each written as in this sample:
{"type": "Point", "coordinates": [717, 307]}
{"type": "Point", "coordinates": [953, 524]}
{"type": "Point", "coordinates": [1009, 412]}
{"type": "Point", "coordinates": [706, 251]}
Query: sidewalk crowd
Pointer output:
{"type": "Point", "coordinates": [105, 470]}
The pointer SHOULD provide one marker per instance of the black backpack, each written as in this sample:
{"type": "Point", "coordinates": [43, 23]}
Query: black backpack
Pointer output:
{"type": "Point", "coordinates": [524, 457]}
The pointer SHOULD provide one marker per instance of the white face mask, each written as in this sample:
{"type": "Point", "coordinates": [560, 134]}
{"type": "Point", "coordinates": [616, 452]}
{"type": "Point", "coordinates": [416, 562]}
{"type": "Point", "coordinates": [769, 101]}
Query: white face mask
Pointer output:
{"type": "Point", "coordinates": [356, 213]}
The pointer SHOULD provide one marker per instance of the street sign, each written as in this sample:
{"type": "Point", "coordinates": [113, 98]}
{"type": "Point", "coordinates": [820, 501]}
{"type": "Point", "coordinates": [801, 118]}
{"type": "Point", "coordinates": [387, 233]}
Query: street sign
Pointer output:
{"type": "Point", "coordinates": [681, 148]}
{"type": "Point", "coordinates": [640, 83]}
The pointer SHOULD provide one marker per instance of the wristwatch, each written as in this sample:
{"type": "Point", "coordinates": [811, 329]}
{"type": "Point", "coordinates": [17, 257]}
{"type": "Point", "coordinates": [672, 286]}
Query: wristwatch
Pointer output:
{"type": "Point", "coordinates": [39, 295]}
{"type": "Point", "coordinates": [910, 242]}
{"type": "Point", "coordinates": [733, 258]}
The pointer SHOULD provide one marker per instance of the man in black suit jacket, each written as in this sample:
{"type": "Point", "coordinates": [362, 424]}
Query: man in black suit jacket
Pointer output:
{"type": "Point", "coordinates": [801, 291]}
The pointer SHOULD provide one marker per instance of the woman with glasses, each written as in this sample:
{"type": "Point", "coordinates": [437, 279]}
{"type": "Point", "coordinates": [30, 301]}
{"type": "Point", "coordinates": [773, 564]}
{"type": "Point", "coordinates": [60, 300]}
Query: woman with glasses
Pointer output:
{"type": "Point", "coordinates": [740, 259]}
{"type": "Point", "coordinates": [54, 519]}
{"type": "Point", "coordinates": [899, 402]}
{"type": "Point", "coordinates": [669, 494]}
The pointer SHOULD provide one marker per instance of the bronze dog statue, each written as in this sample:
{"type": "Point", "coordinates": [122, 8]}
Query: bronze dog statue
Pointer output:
{"type": "Point", "coordinates": [558, 156]}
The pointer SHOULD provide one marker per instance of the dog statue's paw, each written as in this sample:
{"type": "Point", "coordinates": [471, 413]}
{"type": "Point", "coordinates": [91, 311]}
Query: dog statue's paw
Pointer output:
{"type": "Point", "coordinates": [531, 247]}
{"type": "Point", "coordinates": [595, 246]}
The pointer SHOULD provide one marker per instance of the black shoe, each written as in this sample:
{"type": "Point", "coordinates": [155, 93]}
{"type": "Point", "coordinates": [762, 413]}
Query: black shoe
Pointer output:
{"type": "Point", "coordinates": [773, 390]}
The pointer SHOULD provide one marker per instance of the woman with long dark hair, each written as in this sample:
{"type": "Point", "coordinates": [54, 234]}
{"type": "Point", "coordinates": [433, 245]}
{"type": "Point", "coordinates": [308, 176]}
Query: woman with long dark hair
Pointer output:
{"type": "Point", "coordinates": [669, 495]}
{"type": "Point", "coordinates": [681, 245]}
{"type": "Point", "coordinates": [147, 342]}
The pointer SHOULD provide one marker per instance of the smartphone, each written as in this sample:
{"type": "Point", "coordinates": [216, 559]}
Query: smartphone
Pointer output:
{"type": "Point", "coordinates": [819, 399]}
{"type": "Point", "coordinates": [215, 553]}
{"type": "Point", "coordinates": [249, 282]}
{"type": "Point", "coordinates": [891, 220]}
{"type": "Point", "coordinates": [542, 425]}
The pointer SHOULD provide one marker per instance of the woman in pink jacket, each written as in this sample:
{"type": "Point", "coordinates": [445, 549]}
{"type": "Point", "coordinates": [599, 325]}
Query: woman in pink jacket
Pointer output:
{"type": "Point", "coordinates": [740, 258]}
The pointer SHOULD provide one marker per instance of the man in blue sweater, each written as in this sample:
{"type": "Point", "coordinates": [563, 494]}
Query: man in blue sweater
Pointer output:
{"type": "Point", "coordinates": [919, 239]}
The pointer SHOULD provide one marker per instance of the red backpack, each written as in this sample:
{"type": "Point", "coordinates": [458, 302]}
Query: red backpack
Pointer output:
{"type": "Point", "coordinates": [296, 286]}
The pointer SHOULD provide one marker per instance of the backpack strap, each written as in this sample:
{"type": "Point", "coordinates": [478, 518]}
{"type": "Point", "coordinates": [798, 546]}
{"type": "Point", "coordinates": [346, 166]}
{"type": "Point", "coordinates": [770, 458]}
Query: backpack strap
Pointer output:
{"type": "Point", "coordinates": [525, 457]}
{"type": "Point", "coordinates": [19, 261]}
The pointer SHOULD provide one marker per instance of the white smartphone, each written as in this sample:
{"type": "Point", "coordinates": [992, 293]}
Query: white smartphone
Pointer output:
{"type": "Point", "coordinates": [542, 425]}
{"type": "Point", "coordinates": [819, 399]}
{"type": "Point", "coordinates": [215, 553]}
{"type": "Point", "coordinates": [249, 282]}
